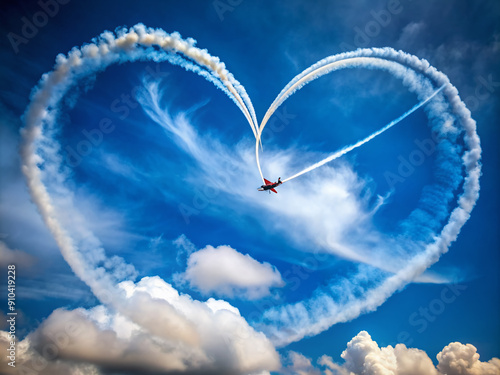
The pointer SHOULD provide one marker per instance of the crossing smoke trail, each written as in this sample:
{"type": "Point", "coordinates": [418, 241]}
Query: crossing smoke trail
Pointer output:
{"type": "Point", "coordinates": [449, 118]}
{"type": "Point", "coordinates": [347, 149]}
{"type": "Point", "coordinates": [343, 61]}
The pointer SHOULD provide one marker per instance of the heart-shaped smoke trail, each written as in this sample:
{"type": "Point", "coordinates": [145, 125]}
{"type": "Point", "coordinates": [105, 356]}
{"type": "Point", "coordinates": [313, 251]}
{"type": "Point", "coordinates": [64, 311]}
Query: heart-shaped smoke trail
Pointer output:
{"type": "Point", "coordinates": [449, 117]}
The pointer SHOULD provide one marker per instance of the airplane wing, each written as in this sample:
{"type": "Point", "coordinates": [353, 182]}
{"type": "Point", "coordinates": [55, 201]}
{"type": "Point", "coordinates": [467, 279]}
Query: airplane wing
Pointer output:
{"type": "Point", "coordinates": [274, 191]}
{"type": "Point", "coordinates": [267, 182]}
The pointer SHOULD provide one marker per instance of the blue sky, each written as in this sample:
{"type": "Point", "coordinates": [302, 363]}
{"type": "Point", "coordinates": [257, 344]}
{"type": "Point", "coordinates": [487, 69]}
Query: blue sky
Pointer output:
{"type": "Point", "coordinates": [177, 263]}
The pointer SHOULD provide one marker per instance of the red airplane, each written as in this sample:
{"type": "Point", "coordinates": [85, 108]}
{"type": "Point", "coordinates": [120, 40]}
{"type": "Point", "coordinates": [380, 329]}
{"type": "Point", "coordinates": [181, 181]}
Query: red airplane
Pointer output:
{"type": "Point", "coordinates": [270, 185]}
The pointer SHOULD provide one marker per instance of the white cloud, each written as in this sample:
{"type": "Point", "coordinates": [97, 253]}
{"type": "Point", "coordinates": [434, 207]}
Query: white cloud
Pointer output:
{"type": "Point", "coordinates": [460, 359]}
{"type": "Point", "coordinates": [175, 334]}
{"type": "Point", "coordinates": [214, 327]}
{"type": "Point", "coordinates": [184, 248]}
{"type": "Point", "coordinates": [410, 34]}
{"type": "Point", "coordinates": [30, 362]}
{"type": "Point", "coordinates": [299, 365]}
{"type": "Point", "coordinates": [226, 272]}
{"type": "Point", "coordinates": [332, 368]}
{"type": "Point", "coordinates": [363, 356]}
{"type": "Point", "coordinates": [17, 257]}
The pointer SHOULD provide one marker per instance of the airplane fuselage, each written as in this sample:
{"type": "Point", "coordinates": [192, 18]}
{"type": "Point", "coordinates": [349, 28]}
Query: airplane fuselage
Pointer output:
{"type": "Point", "coordinates": [270, 185]}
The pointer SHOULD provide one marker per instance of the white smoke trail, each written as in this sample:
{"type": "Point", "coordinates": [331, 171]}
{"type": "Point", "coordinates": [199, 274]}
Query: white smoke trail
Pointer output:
{"type": "Point", "coordinates": [347, 149]}
{"type": "Point", "coordinates": [136, 43]}
{"type": "Point", "coordinates": [333, 63]}
{"type": "Point", "coordinates": [450, 118]}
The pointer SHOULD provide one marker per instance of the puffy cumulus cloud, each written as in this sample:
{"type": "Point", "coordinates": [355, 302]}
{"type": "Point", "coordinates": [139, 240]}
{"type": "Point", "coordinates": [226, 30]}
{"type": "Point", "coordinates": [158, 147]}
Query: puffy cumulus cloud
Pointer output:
{"type": "Point", "coordinates": [215, 338]}
{"type": "Point", "coordinates": [30, 362]}
{"type": "Point", "coordinates": [220, 331]}
{"type": "Point", "coordinates": [17, 257]}
{"type": "Point", "coordinates": [225, 271]}
{"type": "Point", "coordinates": [110, 342]}
{"type": "Point", "coordinates": [299, 365]}
{"type": "Point", "coordinates": [332, 368]}
{"type": "Point", "coordinates": [363, 356]}
{"type": "Point", "coordinates": [460, 359]}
